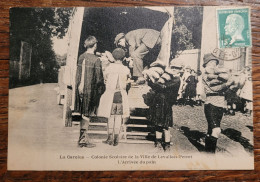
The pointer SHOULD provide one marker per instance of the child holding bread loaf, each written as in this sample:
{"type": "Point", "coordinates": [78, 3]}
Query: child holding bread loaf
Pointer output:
{"type": "Point", "coordinates": [165, 84]}
{"type": "Point", "coordinates": [216, 82]}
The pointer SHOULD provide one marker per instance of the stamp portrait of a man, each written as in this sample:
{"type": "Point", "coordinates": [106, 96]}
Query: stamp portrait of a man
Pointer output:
{"type": "Point", "coordinates": [234, 27]}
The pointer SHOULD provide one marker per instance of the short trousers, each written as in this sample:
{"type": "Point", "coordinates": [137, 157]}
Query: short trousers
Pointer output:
{"type": "Point", "coordinates": [117, 106]}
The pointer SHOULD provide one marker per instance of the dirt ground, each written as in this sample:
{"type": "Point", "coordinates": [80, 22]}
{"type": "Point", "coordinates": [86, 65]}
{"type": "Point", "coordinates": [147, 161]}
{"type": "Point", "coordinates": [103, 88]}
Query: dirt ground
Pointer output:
{"type": "Point", "coordinates": [35, 125]}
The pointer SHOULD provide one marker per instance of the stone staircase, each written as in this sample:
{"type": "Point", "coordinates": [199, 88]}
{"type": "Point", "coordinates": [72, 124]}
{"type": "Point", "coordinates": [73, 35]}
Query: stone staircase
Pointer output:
{"type": "Point", "coordinates": [136, 130]}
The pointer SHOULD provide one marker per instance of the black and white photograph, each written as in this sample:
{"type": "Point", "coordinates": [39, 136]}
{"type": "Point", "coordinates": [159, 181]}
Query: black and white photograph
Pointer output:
{"type": "Point", "coordinates": [128, 88]}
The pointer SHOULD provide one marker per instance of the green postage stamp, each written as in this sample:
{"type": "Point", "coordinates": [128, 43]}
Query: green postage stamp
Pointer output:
{"type": "Point", "coordinates": [234, 27]}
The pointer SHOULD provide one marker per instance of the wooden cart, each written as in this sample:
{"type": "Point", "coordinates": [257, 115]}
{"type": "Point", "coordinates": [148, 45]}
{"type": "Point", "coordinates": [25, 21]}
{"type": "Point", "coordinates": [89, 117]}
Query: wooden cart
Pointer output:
{"type": "Point", "coordinates": [81, 25]}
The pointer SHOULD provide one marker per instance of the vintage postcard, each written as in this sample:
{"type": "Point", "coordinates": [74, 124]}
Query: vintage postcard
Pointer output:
{"type": "Point", "coordinates": [130, 88]}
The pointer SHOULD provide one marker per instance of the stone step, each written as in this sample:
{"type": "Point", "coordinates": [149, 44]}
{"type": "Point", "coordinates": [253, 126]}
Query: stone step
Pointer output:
{"type": "Point", "coordinates": [97, 128]}
{"type": "Point", "coordinates": [137, 125]}
{"type": "Point", "coordinates": [97, 124]}
{"type": "Point", "coordinates": [138, 118]}
{"type": "Point", "coordinates": [135, 96]}
{"type": "Point", "coordinates": [137, 133]}
{"type": "Point", "coordinates": [97, 132]}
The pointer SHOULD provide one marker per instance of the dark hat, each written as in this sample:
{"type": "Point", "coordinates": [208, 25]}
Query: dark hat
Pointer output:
{"type": "Point", "coordinates": [118, 37]}
{"type": "Point", "coordinates": [207, 58]}
{"type": "Point", "coordinates": [90, 41]}
{"type": "Point", "coordinates": [118, 54]}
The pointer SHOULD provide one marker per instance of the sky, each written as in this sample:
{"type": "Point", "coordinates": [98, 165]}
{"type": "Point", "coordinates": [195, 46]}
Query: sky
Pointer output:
{"type": "Point", "coordinates": [60, 46]}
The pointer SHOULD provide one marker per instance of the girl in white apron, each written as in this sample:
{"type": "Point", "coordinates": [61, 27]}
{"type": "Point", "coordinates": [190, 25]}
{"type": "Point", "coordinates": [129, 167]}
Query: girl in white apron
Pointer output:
{"type": "Point", "coordinates": [114, 102]}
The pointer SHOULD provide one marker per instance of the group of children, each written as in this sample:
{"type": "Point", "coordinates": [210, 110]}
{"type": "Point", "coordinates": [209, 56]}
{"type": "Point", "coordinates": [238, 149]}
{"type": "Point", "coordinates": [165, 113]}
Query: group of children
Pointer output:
{"type": "Point", "coordinates": [103, 93]}
{"type": "Point", "coordinates": [190, 92]}
{"type": "Point", "coordinates": [240, 99]}
{"type": "Point", "coordinates": [92, 77]}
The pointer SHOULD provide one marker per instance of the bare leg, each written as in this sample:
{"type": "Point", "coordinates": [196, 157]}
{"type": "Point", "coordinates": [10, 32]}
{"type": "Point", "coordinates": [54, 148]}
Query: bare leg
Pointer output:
{"type": "Point", "coordinates": [117, 127]}
{"type": "Point", "coordinates": [167, 139]}
{"type": "Point", "coordinates": [110, 125]}
{"type": "Point", "coordinates": [158, 139]}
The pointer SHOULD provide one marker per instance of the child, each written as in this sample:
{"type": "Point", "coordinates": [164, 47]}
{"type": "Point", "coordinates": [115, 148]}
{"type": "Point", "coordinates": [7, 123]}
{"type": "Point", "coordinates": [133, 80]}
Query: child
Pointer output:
{"type": "Point", "coordinates": [160, 101]}
{"type": "Point", "coordinates": [215, 89]}
{"type": "Point", "coordinates": [90, 87]}
{"type": "Point", "coordinates": [181, 93]}
{"type": "Point", "coordinates": [114, 102]}
{"type": "Point", "coordinates": [246, 95]}
{"type": "Point", "coordinates": [190, 90]}
{"type": "Point", "coordinates": [199, 89]}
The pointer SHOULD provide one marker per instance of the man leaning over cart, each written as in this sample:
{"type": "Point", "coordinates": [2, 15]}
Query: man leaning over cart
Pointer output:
{"type": "Point", "coordinates": [138, 43]}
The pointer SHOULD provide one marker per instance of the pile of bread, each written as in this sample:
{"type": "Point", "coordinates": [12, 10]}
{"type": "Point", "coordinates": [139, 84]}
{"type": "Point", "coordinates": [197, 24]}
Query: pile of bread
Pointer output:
{"type": "Point", "coordinates": [218, 76]}
{"type": "Point", "coordinates": [159, 73]}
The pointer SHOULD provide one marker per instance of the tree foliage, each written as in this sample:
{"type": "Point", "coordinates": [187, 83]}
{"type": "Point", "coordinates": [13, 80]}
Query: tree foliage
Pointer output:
{"type": "Point", "coordinates": [186, 33]}
{"type": "Point", "coordinates": [37, 26]}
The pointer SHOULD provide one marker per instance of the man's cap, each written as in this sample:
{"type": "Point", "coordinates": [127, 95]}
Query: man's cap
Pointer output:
{"type": "Point", "coordinates": [118, 54]}
{"type": "Point", "coordinates": [208, 57]}
{"type": "Point", "coordinates": [118, 37]}
{"type": "Point", "coordinates": [90, 41]}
